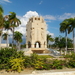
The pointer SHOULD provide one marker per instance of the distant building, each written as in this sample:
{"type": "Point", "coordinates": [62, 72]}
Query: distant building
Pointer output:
{"type": "Point", "coordinates": [4, 45]}
{"type": "Point", "coordinates": [36, 36]}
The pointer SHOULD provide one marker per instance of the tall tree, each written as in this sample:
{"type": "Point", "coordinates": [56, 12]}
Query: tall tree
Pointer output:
{"type": "Point", "coordinates": [60, 42]}
{"type": "Point", "coordinates": [1, 22]}
{"type": "Point", "coordinates": [64, 28]}
{"type": "Point", "coordinates": [7, 27]}
{"type": "Point", "coordinates": [49, 38]}
{"type": "Point", "coordinates": [5, 37]}
{"type": "Point", "coordinates": [18, 38]}
{"type": "Point", "coordinates": [71, 28]}
{"type": "Point", "coordinates": [14, 22]}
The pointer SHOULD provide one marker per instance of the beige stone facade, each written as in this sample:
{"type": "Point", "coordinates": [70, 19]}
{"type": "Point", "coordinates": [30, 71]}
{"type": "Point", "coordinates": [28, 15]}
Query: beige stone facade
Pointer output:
{"type": "Point", "coordinates": [4, 45]}
{"type": "Point", "coordinates": [36, 34]}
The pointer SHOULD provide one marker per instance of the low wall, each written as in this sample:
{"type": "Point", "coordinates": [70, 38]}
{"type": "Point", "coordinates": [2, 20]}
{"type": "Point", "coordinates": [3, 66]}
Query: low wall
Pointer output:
{"type": "Point", "coordinates": [4, 45]}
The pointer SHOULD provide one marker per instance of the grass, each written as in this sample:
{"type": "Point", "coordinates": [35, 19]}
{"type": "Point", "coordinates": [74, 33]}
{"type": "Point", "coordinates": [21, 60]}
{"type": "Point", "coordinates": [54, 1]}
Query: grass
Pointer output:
{"type": "Point", "coordinates": [44, 56]}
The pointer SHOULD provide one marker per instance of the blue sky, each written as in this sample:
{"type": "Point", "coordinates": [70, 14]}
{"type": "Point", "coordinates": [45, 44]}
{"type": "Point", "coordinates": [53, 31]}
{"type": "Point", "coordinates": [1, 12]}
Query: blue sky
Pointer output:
{"type": "Point", "coordinates": [53, 11]}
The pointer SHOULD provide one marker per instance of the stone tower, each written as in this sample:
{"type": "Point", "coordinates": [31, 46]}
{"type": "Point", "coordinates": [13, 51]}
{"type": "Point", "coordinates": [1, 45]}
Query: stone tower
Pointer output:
{"type": "Point", "coordinates": [36, 34]}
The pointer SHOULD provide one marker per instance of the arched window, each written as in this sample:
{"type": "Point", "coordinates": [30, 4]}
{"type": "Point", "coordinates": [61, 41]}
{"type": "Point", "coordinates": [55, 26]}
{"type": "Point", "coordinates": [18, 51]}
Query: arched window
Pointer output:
{"type": "Point", "coordinates": [37, 45]}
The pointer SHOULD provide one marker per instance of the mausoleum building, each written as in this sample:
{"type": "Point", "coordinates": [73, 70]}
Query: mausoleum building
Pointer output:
{"type": "Point", "coordinates": [36, 36]}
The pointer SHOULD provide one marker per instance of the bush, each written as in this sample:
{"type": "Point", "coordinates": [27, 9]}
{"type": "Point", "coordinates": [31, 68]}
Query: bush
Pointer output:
{"type": "Point", "coordinates": [47, 66]}
{"type": "Point", "coordinates": [39, 65]}
{"type": "Point", "coordinates": [34, 58]}
{"type": "Point", "coordinates": [72, 56]}
{"type": "Point", "coordinates": [6, 54]}
{"type": "Point", "coordinates": [17, 64]}
{"type": "Point", "coordinates": [57, 64]}
{"type": "Point", "coordinates": [27, 62]}
{"type": "Point", "coordinates": [71, 63]}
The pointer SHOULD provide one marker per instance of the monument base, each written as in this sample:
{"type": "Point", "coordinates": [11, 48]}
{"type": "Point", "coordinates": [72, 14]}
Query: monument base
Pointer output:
{"type": "Point", "coordinates": [37, 50]}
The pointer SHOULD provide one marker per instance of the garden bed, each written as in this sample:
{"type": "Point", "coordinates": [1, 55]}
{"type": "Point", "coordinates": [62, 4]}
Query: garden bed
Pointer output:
{"type": "Point", "coordinates": [11, 60]}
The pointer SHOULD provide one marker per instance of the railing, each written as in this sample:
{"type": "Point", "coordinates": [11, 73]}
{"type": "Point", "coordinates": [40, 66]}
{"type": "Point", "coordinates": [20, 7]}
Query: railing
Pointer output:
{"type": "Point", "coordinates": [54, 52]}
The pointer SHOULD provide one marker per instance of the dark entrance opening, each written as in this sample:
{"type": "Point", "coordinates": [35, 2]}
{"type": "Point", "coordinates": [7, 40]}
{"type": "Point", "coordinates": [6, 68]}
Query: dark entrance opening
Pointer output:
{"type": "Point", "coordinates": [29, 44]}
{"type": "Point", "coordinates": [37, 45]}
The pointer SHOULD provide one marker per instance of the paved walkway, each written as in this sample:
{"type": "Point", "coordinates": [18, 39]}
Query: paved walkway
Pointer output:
{"type": "Point", "coordinates": [42, 72]}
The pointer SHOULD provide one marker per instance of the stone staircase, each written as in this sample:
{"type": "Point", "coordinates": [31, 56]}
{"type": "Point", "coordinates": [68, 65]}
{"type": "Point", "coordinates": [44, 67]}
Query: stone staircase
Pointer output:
{"type": "Point", "coordinates": [54, 53]}
{"type": "Point", "coordinates": [51, 52]}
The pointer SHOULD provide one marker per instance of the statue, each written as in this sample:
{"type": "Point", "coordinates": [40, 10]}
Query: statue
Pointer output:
{"type": "Point", "coordinates": [37, 45]}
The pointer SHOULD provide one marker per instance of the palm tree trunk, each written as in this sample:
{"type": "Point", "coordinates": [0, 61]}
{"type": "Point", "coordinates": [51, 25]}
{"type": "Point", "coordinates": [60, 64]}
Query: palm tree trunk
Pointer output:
{"type": "Point", "coordinates": [13, 38]}
{"type": "Point", "coordinates": [66, 41]}
{"type": "Point", "coordinates": [7, 40]}
{"type": "Point", "coordinates": [18, 45]}
{"type": "Point", "coordinates": [0, 40]}
{"type": "Point", "coordinates": [73, 40]}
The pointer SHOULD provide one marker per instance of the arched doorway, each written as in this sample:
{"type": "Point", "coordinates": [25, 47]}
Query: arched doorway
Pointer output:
{"type": "Point", "coordinates": [37, 45]}
{"type": "Point", "coordinates": [29, 44]}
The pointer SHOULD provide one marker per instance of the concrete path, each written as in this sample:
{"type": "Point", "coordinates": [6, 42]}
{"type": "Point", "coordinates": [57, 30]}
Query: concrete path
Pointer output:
{"type": "Point", "coordinates": [52, 73]}
{"type": "Point", "coordinates": [41, 72]}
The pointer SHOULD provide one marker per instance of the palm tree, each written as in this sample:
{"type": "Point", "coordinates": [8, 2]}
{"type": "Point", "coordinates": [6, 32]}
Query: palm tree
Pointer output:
{"type": "Point", "coordinates": [5, 37]}
{"type": "Point", "coordinates": [7, 27]}
{"type": "Point", "coordinates": [64, 28]}
{"type": "Point", "coordinates": [71, 28]}
{"type": "Point", "coordinates": [18, 38]}
{"type": "Point", "coordinates": [14, 22]}
{"type": "Point", "coordinates": [49, 38]}
{"type": "Point", "coordinates": [1, 22]}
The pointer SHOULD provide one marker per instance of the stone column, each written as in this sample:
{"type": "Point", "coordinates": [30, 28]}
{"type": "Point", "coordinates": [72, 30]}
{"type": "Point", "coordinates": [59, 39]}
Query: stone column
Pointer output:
{"type": "Point", "coordinates": [26, 45]}
{"type": "Point", "coordinates": [32, 46]}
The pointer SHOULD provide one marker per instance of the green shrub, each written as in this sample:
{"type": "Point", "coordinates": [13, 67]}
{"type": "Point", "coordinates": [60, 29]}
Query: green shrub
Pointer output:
{"type": "Point", "coordinates": [17, 64]}
{"type": "Point", "coordinates": [19, 54]}
{"type": "Point", "coordinates": [47, 66]}
{"type": "Point", "coordinates": [39, 65]}
{"type": "Point", "coordinates": [72, 56]}
{"type": "Point", "coordinates": [71, 63]}
{"type": "Point", "coordinates": [6, 54]}
{"type": "Point", "coordinates": [57, 64]}
{"type": "Point", "coordinates": [67, 56]}
{"type": "Point", "coordinates": [34, 58]}
{"type": "Point", "coordinates": [27, 62]}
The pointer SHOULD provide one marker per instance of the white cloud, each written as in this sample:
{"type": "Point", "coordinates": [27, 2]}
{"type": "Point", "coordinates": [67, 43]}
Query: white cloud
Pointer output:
{"type": "Point", "coordinates": [49, 17]}
{"type": "Point", "coordinates": [41, 2]}
{"type": "Point", "coordinates": [52, 34]}
{"type": "Point", "coordinates": [66, 16]}
{"type": "Point", "coordinates": [4, 1]}
{"type": "Point", "coordinates": [30, 14]}
{"type": "Point", "coordinates": [24, 19]}
{"type": "Point", "coordinates": [7, 1]}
